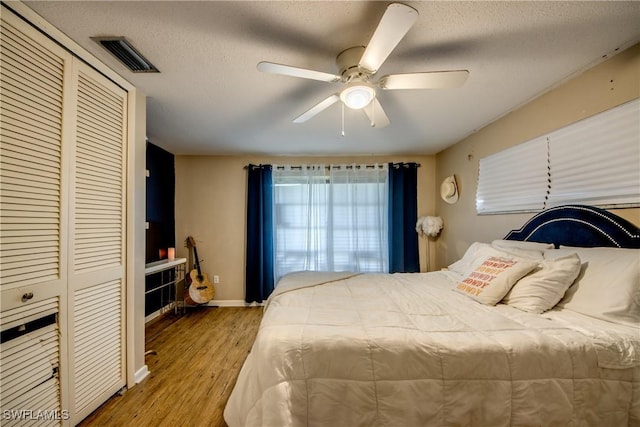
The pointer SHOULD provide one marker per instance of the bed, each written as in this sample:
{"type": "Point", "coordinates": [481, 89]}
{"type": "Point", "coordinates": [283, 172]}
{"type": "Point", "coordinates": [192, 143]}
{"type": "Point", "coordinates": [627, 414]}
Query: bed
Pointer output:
{"type": "Point", "coordinates": [421, 349]}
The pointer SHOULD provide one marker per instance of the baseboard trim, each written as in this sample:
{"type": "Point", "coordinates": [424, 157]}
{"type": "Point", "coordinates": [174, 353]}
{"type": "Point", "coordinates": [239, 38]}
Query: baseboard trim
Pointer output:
{"type": "Point", "coordinates": [160, 312]}
{"type": "Point", "coordinates": [141, 374]}
{"type": "Point", "coordinates": [233, 303]}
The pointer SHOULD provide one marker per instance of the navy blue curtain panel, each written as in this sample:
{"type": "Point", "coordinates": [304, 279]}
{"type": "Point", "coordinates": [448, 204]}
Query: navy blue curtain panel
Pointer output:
{"type": "Point", "coordinates": [403, 213]}
{"type": "Point", "coordinates": [260, 257]}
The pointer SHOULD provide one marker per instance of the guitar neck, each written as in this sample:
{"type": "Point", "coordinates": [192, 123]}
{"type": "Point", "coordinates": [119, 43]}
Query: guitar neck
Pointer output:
{"type": "Point", "coordinates": [197, 264]}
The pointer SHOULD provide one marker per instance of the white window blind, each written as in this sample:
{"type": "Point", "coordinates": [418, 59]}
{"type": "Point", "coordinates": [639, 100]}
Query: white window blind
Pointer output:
{"type": "Point", "coordinates": [597, 161]}
{"type": "Point", "coordinates": [516, 179]}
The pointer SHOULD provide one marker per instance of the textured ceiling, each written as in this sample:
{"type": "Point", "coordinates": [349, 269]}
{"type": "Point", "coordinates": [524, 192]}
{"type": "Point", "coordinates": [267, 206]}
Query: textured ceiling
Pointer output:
{"type": "Point", "coordinates": [210, 99]}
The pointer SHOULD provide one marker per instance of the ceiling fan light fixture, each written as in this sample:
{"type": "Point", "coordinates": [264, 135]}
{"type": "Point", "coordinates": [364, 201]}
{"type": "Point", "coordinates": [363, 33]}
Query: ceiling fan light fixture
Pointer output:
{"type": "Point", "coordinates": [357, 96]}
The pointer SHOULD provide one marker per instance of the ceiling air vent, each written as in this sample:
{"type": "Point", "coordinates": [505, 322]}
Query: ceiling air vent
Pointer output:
{"type": "Point", "coordinates": [127, 54]}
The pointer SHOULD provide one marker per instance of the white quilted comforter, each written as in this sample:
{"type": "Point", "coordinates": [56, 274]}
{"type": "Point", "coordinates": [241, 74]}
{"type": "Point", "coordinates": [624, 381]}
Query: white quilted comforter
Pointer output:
{"type": "Point", "coordinates": [405, 350]}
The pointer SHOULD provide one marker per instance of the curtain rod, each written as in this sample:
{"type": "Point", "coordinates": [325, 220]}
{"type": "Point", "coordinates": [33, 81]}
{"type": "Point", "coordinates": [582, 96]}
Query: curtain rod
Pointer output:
{"type": "Point", "coordinates": [335, 166]}
{"type": "Point", "coordinates": [346, 166]}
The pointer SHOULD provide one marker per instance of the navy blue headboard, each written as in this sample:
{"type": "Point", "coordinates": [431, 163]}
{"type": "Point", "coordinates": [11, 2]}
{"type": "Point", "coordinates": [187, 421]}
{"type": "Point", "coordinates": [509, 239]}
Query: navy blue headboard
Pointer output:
{"type": "Point", "coordinates": [578, 225]}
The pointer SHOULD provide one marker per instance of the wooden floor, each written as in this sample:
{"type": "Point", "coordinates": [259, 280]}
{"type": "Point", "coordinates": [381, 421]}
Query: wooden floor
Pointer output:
{"type": "Point", "coordinates": [199, 356]}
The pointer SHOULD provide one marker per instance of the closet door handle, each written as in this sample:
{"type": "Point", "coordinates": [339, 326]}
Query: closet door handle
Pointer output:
{"type": "Point", "coordinates": [27, 296]}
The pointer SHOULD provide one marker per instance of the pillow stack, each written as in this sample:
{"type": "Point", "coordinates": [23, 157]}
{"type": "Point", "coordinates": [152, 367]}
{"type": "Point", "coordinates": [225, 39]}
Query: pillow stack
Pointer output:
{"type": "Point", "coordinates": [489, 273]}
{"type": "Point", "coordinates": [492, 279]}
{"type": "Point", "coordinates": [516, 273]}
{"type": "Point", "coordinates": [599, 282]}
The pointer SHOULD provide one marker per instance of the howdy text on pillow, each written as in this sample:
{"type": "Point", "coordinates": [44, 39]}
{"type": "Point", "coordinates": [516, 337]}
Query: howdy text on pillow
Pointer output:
{"type": "Point", "coordinates": [482, 276]}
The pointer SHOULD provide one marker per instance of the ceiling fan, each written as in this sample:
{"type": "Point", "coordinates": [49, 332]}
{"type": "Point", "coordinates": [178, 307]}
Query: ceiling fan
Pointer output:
{"type": "Point", "coordinates": [358, 65]}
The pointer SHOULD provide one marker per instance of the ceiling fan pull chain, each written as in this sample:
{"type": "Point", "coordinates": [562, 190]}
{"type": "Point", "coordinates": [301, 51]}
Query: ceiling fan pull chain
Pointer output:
{"type": "Point", "coordinates": [343, 119]}
{"type": "Point", "coordinates": [373, 115]}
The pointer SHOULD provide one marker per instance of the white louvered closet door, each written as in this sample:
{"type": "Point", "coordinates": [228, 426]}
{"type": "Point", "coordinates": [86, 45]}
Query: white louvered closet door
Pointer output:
{"type": "Point", "coordinates": [31, 179]}
{"type": "Point", "coordinates": [33, 222]}
{"type": "Point", "coordinates": [63, 129]}
{"type": "Point", "coordinates": [97, 242]}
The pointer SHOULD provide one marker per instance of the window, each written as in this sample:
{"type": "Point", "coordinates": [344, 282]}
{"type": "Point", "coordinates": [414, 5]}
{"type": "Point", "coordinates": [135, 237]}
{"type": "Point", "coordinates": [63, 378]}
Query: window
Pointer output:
{"type": "Point", "coordinates": [593, 161]}
{"type": "Point", "coordinates": [516, 179]}
{"type": "Point", "coordinates": [596, 161]}
{"type": "Point", "coordinates": [330, 218]}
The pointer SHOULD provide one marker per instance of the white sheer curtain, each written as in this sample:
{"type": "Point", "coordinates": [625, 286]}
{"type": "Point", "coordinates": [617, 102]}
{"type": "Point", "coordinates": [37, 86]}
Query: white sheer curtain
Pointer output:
{"type": "Point", "coordinates": [330, 218]}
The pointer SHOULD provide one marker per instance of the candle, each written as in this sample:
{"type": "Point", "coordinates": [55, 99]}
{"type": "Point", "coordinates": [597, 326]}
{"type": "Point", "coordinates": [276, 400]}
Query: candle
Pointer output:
{"type": "Point", "coordinates": [162, 253]}
{"type": "Point", "coordinates": [171, 253]}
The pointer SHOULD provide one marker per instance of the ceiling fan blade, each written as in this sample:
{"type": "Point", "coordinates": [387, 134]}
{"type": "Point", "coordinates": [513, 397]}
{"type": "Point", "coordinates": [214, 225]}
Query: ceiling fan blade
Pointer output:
{"type": "Point", "coordinates": [323, 105]}
{"type": "Point", "coordinates": [288, 70]}
{"type": "Point", "coordinates": [430, 80]}
{"type": "Point", "coordinates": [395, 23]}
{"type": "Point", "coordinates": [376, 114]}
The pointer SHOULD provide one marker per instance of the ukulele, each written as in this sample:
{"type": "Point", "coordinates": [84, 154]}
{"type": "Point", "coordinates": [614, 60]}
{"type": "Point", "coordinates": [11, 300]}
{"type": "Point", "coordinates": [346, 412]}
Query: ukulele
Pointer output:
{"type": "Point", "coordinates": [200, 289]}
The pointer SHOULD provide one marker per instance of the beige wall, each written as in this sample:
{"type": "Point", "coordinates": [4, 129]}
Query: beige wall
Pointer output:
{"type": "Point", "coordinates": [605, 86]}
{"type": "Point", "coordinates": [211, 193]}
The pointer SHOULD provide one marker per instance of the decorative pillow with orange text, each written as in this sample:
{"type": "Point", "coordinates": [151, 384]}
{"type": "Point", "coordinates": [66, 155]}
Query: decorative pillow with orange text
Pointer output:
{"type": "Point", "coordinates": [493, 277]}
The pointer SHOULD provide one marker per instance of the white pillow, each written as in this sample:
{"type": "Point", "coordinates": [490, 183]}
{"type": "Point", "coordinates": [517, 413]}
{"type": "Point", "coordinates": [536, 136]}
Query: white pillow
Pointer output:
{"type": "Point", "coordinates": [464, 264]}
{"type": "Point", "coordinates": [541, 289]}
{"type": "Point", "coordinates": [608, 286]}
{"type": "Point", "coordinates": [493, 275]}
{"type": "Point", "coordinates": [517, 244]}
{"type": "Point", "coordinates": [478, 251]}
